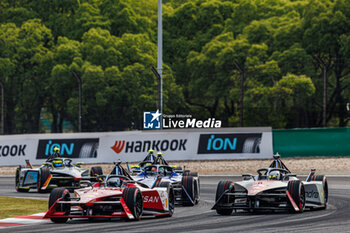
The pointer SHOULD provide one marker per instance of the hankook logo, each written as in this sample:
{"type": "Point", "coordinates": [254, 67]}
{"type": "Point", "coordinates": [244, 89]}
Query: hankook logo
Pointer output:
{"type": "Point", "coordinates": [118, 146]}
{"type": "Point", "coordinates": [12, 150]}
{"type": "Point", "coordinates": [143, 146]}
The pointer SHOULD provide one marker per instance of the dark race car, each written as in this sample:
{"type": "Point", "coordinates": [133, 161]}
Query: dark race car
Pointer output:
{"type": "Point", "coordinates": [114, 196]}
{"type": "Point", "coordinates": [186, 186]}
{"type": "Point", "coordinates": [151, 159]}
{"type": "Point", "coordinates": [55, 172]}
{"type": "Point", "coordinates": [274, 188]}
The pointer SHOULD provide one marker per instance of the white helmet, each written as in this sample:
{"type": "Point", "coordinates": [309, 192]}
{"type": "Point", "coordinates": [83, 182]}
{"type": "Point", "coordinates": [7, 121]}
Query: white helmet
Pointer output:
{"type": "Point", "coordinates": [274, 175]}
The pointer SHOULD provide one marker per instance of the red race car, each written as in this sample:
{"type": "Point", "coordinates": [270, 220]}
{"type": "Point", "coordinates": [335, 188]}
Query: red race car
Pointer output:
{"type": "Point", "coordinates": [116, 196]}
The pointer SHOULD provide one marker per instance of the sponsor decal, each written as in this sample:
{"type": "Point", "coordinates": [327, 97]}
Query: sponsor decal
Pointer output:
{"type": "Point", "coordinates": [151, 199]}
{"type": "Point", "coordinates": [155, 120]}
{"type": "Point", "coordinates": [259, 186]}
{"type": "Point", "coordinates": [71, 148]}
{"type": "Point", "coordinates": [229, 143]}
{"type": "Point", "coordinates": [145, 145]}
{"type": "Point", "coordinates": [311, 194]}
{"type": "Point", "coordinates": [118, 146]}
{"type": "Point", "coordinates": [12, 150]}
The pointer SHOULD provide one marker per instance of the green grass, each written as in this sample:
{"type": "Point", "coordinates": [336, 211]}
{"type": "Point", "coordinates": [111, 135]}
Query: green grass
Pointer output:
{"type": "Point", "coordinates": [11, 207]}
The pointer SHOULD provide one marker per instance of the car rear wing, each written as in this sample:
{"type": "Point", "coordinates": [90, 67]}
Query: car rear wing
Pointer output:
{"type": "Point", "coordinates": [28, 164]}
{"type": "Point", "coordinates": [312, 172]}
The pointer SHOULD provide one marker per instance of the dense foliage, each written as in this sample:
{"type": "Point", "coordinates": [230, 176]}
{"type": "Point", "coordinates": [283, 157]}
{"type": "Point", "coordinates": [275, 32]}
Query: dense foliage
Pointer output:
{"type": "Point", "coordinates": [282, 48]}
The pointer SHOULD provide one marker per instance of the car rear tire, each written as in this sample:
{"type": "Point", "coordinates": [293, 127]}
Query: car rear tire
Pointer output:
{"type": "Point", "coordinates": [43, 175]}
{"type": "Point", "coordinates": [186, 173]}
{"type": "Point", "coordinates": [54, 196]}
{"type": "Point", "coordinates": [194, 174]}
{"type": "Point", "coordinates": [222, 187]}
{"type": "Point", "coordinates": [297, 190]}
{"type": "Point", "coordinates": [171, 197]}
{"type": "Point", "coordinates": [95, 172]}
{"type": "Point", "coordinates": [325, 187]}
{"type": "Point", "coordinates": [191, 186]}
{"type": "Point", "coordinates": [17, 182]}
{"type": "Point", "coordinates": [133, 199]}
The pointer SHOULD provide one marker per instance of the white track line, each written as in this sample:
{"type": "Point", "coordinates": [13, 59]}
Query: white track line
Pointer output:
{"type": "Point", "coordinates": [23, 220]}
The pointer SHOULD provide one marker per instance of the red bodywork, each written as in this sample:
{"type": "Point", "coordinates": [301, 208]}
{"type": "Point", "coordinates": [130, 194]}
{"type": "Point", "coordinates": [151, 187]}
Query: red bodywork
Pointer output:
{"type": "Point", "coordinates": [155, 202]}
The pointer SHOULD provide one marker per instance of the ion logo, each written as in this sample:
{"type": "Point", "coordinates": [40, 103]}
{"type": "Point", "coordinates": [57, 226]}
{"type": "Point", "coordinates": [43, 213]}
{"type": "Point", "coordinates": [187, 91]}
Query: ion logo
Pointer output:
{"type": "Point", "coordinates": [71, 148]}
{"type": "Point", "coordinates": [229, 143]}
{"type": "Point", "coordinates": [65, 149]}
{"type": "Point", "coordinates": [118, 146]}
{"type": "Point", "coordinates": [221, 143]}
{"type": "Point", "coordinates": [152, 120]}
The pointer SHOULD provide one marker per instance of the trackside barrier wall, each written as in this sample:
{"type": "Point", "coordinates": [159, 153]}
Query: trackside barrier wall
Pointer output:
{"type": "Point", "coordinates": [312, 142]}
{"type": "Point", "coordinates": [132, 146]}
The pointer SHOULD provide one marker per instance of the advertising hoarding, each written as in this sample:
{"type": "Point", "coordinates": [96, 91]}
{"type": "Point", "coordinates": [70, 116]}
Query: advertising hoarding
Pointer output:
{"type": "Point", "coordinates": [132, 146]}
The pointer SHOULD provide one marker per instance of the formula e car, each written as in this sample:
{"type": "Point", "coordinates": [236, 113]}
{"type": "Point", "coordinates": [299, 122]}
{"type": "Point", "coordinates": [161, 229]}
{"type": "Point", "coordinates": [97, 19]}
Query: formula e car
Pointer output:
{"type": "Point", "coordinates": [151, 159]}
{"type": "Point", "coordinates": [274, 188]}
{"type": "Point", "coordinates": [186, 187]}
{"type": "Point", "coordinates": [114, 196]}
{"type": "Point", "coordinates": [55, 172]}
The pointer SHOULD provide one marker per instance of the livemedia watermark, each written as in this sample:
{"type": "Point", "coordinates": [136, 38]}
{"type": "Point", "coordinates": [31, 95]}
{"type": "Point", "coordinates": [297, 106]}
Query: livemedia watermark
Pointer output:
{"type": "Point", "coordinates": [156, 120]}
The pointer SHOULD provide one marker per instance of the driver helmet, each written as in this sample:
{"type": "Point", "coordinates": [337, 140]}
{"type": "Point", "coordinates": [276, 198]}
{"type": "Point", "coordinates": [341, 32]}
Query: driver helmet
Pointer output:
{"type": "Point", "coordinates": [114, 182]}
{"type": "Point", "coordinates": [159, 154]}
{"type": "Point", "coordinates": [56, 152]}
{"type": "Point", "coordinates": [274, 175]}
{"type": "Point", "coordinates": [57, 163]}
{"type": "Point", "coordinates": [150, 151]}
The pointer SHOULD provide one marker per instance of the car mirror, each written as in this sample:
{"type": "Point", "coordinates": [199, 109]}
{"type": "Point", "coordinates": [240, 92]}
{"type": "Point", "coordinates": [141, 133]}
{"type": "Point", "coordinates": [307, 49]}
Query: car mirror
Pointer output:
{"type": "Point", "coordinates": [47, 164]}
{"type": "Point", "coordinates": [78, 164]}
{"type": "Point", "coordinates": [247, 176]}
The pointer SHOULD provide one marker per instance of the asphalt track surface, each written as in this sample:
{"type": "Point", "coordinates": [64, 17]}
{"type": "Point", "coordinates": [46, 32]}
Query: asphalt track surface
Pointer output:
{"type": "Point", "coordinates": [336, 218]}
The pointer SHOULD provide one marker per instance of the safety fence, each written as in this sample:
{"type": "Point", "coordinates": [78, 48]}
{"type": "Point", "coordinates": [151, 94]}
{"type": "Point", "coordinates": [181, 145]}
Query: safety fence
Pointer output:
{"type": "Point", "coordinates": [312, 142]}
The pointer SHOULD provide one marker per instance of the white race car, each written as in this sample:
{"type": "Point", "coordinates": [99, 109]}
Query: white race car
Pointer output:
{"type": "Point", "coordinates": [274, 188]}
